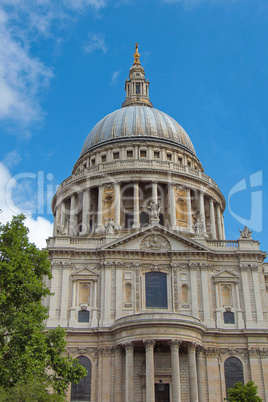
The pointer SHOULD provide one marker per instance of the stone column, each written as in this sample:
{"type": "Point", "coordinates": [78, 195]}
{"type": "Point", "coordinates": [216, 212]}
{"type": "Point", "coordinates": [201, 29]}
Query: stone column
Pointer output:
{"type": "Point", "coordinates": [189, 210]}
{"type": "Point", "coordinates": [118, 374]}
{"type": "Point", "coordinates": [100, 227]}
{"type": "Point", "coordinates": [193, 282]}
{"type": "Point", "coordinates": [154, 192]}
{"type": "Point", "coordinates": [202, 211]}
{"type": "Point", "coordinates": [223, 228]}
{"type": "Point", "coordinates": [136, 206]}
{"type": "Point", "coordinates": [149, 350]}
{"type": "Point", "coordinates": [85, 212]}
{"type": "Point", "coordinates": [212, 219]}
{"type": "Point", "coordinates": [63, 214]}
{"type": "Point", "coordinates": [129, 371]}
{"type": "Point", "coordinates": [200, 373]}
{"type": "Point", "coordinates": [117, 206]}
{"type": "Point", "coordinates": [106, 373]}
{"type": "Point", "coordinates": [172, 203]}
{"type": "Point", "coordinates": [175, 370]}
{"type": "Point", "coordinates": [257, 293]}
{"type": "Point", "coordinates": [246, 294]}
{"type": "Point", "coordinates": [192, 373]}
{"type": "Point", "coordinates": [56, 221]}
{"type": "Point", "coordinates": [73, 217]}
{"type": "Point", "coordinates": [64, 296]}
{"type": "Point", "coordinates": [218, 222]}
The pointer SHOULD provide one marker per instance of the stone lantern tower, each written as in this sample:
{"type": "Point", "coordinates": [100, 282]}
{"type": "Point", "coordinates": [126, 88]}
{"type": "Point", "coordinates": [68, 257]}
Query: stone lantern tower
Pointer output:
{"type": "Point", "coordinates": [158, 306]}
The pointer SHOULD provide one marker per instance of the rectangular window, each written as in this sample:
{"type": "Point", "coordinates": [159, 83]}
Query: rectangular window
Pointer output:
{"type": "Point", "coordinates": [156, 290]}
{"type": "Point", "coordinates": [116, 155]}
{"type": "Point", "coordinates": [83, 316]}
{"type": "Point", "coordinates": [129, 154]}
{"type": "Point", "coordinates": [143, 154]}
{"type": "Point", "coordinates": [169, 157]}
{"type": "Point", "coordinates": [138, 89]}
{"type": "Point", "coordinates": [157, 154]}
{"type": "Point", "coordinates": [180, 160]}
{"type": "Point", "coordinates": [92, 161]}
{"type": "Point", "coordinates": [103, 158]}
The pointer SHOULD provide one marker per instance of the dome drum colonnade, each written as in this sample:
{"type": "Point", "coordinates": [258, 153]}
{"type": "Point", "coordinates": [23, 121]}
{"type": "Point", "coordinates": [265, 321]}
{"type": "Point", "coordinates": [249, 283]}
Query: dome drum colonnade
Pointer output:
{"type": "Point", "coordinates": [135, 156]}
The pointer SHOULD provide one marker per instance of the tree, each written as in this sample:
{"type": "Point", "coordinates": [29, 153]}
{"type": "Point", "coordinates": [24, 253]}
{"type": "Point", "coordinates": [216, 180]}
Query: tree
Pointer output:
{"type": "Point", "coordinates": [243, 393]}
{"type": "Point", "coordinates": [27, 351]}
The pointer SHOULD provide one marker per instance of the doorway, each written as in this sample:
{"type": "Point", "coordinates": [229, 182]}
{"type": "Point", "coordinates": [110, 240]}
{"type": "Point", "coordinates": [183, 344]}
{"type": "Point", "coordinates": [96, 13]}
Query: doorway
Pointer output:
{"type": "Point", "coordinates": [161, 392]}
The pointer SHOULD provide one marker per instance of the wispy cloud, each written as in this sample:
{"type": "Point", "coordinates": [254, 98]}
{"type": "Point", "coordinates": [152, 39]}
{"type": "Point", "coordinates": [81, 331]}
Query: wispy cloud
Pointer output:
{"type": "Point", "coordinates": [12, 159]}
{"type": "Point", "coordinates": [80, 4]}
{"type": "Point", "coordinates": [115, 75]}
{"type": "Point", "coordinates": [22, 76]}
{"type": "Point", "coordinates": [95, 42]}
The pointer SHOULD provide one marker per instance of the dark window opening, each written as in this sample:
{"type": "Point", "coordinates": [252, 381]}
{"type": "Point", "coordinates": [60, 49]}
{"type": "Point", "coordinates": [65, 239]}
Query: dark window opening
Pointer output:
{"type": "Point", "coordinates": [180, 161]}
{"type": "Point", "coordinates": [169, 157]}
{"type": "Point", "coordinates": [144, 219]}
{"type": "Point", "coordinates": [156, 154]}
{"type": "Point", "coordinates": [138, 89]}
{"type": "Point", "coordinates": [83, 316]}
{"type": "Point", "coordinates": [103, 158]}
{"type": "Point", "coordinates": [156, 290]}
{"type": "Point", "coordinates": [129, 154]}
{"type": "Point", "coordinates": [228, 317]}
{"type": "Point", "coordinates": [233, 371]}
{"type": "Point", "coordinates": [116, 155]}
{"type": "Point", "coordinates": [161, 219]}
{"type": "Point", "coordinates": [143, 154]}
{"type": "Point", "coordinates": [82, 390]}
{"type": "Point", "coordinates": [93, 161]}
{"type": "Point", "coordinates": [129, 220]}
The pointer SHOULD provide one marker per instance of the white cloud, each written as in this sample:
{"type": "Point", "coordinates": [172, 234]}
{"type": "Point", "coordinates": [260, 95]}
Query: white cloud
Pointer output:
{"type": "Point", "coordinates": [79, 4]}
{"type": "Point", "coordinates": [13, 158]}
{"type": "Point", "coordinates": [21, 77]}
{"type": "Point", "coordinates": [115, 75]}
{"type": "Point", "coordinates": [40, 228]}
{"type": "Point", "coordinates": [95, 42]}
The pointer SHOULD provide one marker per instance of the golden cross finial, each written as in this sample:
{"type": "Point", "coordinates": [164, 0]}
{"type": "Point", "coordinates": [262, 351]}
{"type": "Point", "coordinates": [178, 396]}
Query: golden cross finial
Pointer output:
{"type": "Point", "coordinates": [136, 55]}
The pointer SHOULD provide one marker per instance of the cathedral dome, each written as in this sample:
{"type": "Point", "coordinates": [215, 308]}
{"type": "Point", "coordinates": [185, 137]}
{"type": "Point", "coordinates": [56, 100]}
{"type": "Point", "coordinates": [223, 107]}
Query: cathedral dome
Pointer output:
{"type": "Point", "coordinates": [137, 122]}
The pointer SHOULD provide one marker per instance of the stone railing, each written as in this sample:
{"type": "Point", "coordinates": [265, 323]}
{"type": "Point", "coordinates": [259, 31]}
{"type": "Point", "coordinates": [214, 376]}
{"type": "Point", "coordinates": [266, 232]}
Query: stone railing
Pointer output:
{"type": "Point", "coordinates": [121, 165]}
{"type": "Point", "coordinates": [223, 243]}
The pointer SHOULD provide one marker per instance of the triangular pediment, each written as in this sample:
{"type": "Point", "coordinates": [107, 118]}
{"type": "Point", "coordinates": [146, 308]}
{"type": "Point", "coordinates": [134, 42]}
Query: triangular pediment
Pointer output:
{"type": "Point", "coordinates": [225, 275]}
{"type": "Point", "coordinates": [84, 272]}
{"type": "Point", "coordinates": [155, 239]}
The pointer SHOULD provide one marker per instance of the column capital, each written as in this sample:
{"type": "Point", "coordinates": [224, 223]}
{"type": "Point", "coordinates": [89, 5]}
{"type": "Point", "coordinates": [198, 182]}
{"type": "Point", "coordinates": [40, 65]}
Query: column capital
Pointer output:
{"type": "Point", "coordinates": [175, 344]}
{"type": "Point", "coordinates": [149, 343]}
{"type": "Point", "coordinates": [129, 346]}
{"type": "Point", "coordinates": [192, 347]}
{"type": "Point", "coordinates": [200, 350]}
{"type": "Point", "coordinates": [117, 349]}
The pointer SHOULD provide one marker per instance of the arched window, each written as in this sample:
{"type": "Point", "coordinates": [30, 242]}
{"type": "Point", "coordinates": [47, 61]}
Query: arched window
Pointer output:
{"type": "Point", "coordinates": [156, 290]}
{"type": "Point", "coordinates": [128, 291]}
{"type": "Point", "coordinates": [184, 294]}
{"type": "Point", "coordinates": [82, 390]}
{"type": "Point", "coordinates": [233, 371]}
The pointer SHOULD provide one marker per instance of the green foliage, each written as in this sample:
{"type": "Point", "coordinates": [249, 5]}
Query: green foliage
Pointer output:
{"type": "Point", "coordinates": [243, 393]}
{"type": "Point", "coordinates": [29, 392]}
{"type": "Point", "coordinates": [27, 352]}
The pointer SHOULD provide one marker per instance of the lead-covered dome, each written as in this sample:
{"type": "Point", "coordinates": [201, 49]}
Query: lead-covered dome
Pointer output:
{"type": "Point", "coordinates": [137, 122]}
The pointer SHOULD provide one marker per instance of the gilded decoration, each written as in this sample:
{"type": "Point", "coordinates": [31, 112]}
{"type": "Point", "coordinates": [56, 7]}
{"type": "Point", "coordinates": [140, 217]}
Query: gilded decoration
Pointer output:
{"type": "Point", "coordinates": [155, 243]}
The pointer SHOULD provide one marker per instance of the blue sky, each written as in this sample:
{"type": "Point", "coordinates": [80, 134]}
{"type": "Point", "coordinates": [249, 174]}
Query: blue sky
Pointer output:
{"type": "Point", "coordinates": [62, 68]}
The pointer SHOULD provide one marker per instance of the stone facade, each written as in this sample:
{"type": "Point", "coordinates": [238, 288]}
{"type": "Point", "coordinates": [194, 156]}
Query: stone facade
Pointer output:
{"type": "Point", "coordinates": [156, 302]}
